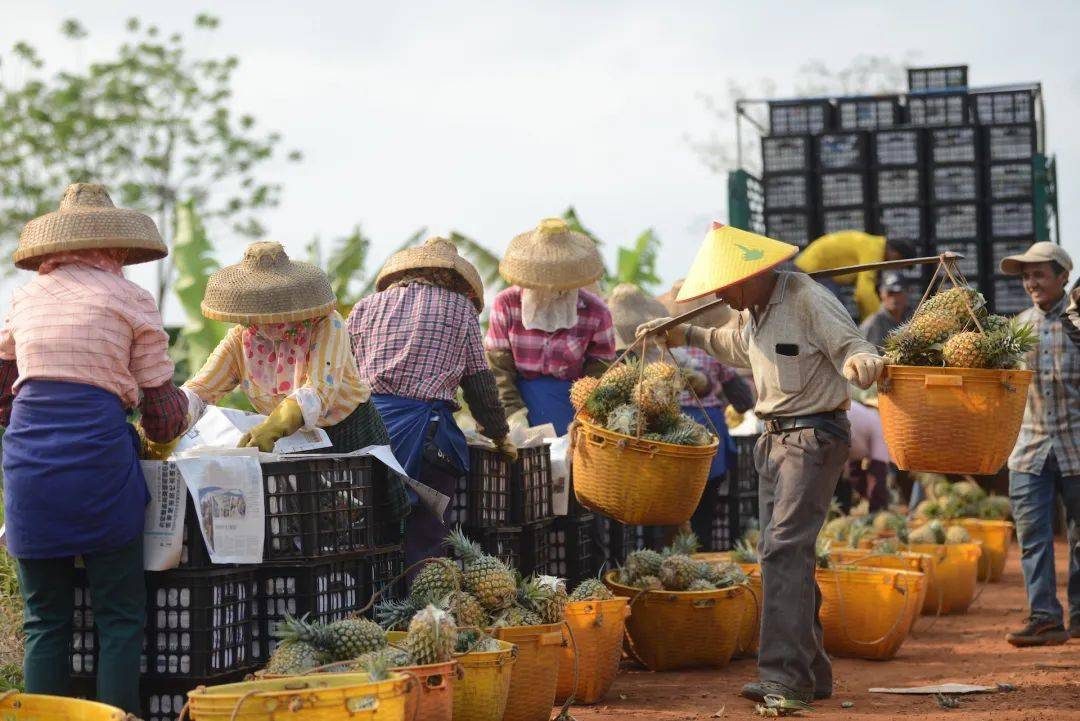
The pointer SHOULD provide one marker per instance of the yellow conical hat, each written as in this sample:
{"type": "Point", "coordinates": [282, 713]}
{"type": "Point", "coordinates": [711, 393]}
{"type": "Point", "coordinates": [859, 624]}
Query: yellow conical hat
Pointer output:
{"type": "Point", "coordinates": [730, 256]}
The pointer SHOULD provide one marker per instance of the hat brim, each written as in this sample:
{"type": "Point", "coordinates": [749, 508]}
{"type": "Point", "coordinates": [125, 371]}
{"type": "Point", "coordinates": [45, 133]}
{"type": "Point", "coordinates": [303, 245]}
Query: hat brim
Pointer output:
{"type": "Point", "coordinates": [1014, 264]}
{"type": "Point", "coordinates": [764, 269]}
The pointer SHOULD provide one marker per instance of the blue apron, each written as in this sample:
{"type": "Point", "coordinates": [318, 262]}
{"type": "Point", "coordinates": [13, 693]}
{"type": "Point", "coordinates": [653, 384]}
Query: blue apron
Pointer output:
{"type": "Point", "coordinates": [548, 401]}
{"type": "Point", "coordinates": [725, 452]}
{"type": "Point", "coordinates": [72, 479]}
{"type": "Point", "coordinates": [407, 421]}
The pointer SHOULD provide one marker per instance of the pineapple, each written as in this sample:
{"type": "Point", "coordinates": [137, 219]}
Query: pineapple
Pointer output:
{"type": "Point", "coordinates": [931, 533]}
{"type": "Point", "coordinates": [435, 581]}
{"type": "Point", "coordinates": [465, 609]}
{"type": "Point", "coordinates": [677, 572]}
{"type": "Point", "coordinates": [551, 600]}
{"type": "Point", "coordinates": [1006, 346]}
{"type": "Point", "coordinates": [729, 574]}
{"type": "Point", "coordinates": [518, 616]}
{"type": "Point", "coordinates": [902, 348]}
{"type": "Point", "coordinates": [996, 508]}
{"type": "Point", "coordinates": [391, 656]}
{"type": "Point", "coordinates": [292, 658]}
{"type": "Point", "coordinates": [625, 420]}
{"type": "Point", "coordinates": [700, 584]}
{"type": "Point", "coordinates": [582, 389]}
{"type": "Point", "coordinates": [821, 552]}
{"type": "Point", "coordinates": [664, 372]}
{"type": "Point", "coordinates": [837, 529]}
{"type": "Point", "coordinates": [432, 636]}
{"type": "Point", "coordinates": [351, 637]}
{"type": "Point", "coordinates": [649, 583]}
{"type": "Point", "coordinates": [377, 666]}
{"type": "Point", "coordinates": [654, 397]}
{"type": "Point", "coordinates": [887, 547]}
{"type": "Point", "coordinates": [968, 491]}
{"type": "Point", "coordinates": [967, 350]}
{"type": "Point", "coordinates": [591, 589]}
{"type": "Point", "coordinates": [685, 542]}
{"type": "Point", "coordinates": [644, 562]}
{"type": "Point", "coordinates": [485, 577]}
{"type": "Point", "coordinates": [603, 401]}
{"type": "Point", "coordinates": [886, 522]}
{"type": "Point", "coordinates": [744, 552]}
{"type": "Point", "coordinates": [395, 615]}
{"type": "Point", "coordinates": [955, 302]}
{"type": "Point", "coordinates": [957, 534]}
{"type": "Point", "coordinates": [688, 432]}
{"type": "Point", "coordinates": [933, 327]}
{"type": "Point", "coordinates": [620, 380]}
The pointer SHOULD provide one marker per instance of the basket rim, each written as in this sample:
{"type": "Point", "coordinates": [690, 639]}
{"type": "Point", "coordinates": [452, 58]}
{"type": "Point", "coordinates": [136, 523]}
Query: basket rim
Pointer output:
{"type": "Point", "coordinates": [677, 595]}
{"type": "Point", "coordinates": [853, 573]}
{"type": "Point", "coordinates": [640, 445]}
{"type": "Point", "coordinates": [974, 373]}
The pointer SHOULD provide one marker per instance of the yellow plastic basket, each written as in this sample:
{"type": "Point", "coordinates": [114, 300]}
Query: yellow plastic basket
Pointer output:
{"type": "Point", "coordinates": [669, 630]}
{"type": "Point", "coordinates": [319, 697]}
{"type": "Point", "coordinates": [996, 538]}
{"type": "Point", "coordinates": [532, 684]}
{"type": "Point", "coordinates": [435, 685]}
{"type": "Point", "coordinates": [598, 628]}
{"type": "Point", "coordinates": [868, 612]}
{"type": "Point", "coordinates": [38, 707]}
{"type": "Point", "coordinates": [638, 482]}
{"type": "Point", "coordinates": [481, 692]}
{"type": "Point", "coordinates": [903, 561]}
{"type": "Point", "coordinates": [951, 420]}
{"type": "Point", "coordinates": [953, 576]}
{"type": "Point", "coordinates": [750, 631]}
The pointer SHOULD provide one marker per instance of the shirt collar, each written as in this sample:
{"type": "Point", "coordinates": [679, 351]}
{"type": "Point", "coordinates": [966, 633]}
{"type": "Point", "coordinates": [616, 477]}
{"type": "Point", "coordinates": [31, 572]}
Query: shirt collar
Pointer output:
{"type": "Point", "coordinates": [1054, 312]}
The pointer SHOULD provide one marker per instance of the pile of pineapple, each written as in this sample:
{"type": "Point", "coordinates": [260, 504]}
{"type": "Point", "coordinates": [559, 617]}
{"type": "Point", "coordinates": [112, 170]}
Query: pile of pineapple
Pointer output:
{"type": "Point", "coordinates": [636, 402]}
{"type": "Point", "coordinates": [889, 533]}
{"type": "Point", "coordinates": [964, 499]}
{"type": "Point", "coordinates": [674, 569]}
{"type": "Point", "coordinates": [943, 333]}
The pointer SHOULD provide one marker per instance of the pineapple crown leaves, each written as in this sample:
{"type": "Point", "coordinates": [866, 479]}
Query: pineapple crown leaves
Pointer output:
{"type": "Point", "coordinates": [552, 583]}
{"type": "Point", "coordinates": [393, 614]}
{"type": "Point", "coordinates": [293, 629]}
{"type": "Point", "coordinates": [377, 666]}
{"type": "Point", "coordinates": [685, 543]}
{"type": "Point", "coordinates": [468, 549]}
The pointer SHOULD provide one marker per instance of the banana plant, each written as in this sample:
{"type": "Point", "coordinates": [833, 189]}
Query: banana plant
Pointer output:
{"type": "Point", "coordinates": [634, 264]}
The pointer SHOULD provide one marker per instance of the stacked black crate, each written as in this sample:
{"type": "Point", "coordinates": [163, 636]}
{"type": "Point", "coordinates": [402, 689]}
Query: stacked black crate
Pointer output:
{"type": "Point", "coordinates": [956, 195]}
{"type": "Point", "coordinates": [1011, 151]}
{"type": "Point", "coordinates": [942, 77]}
{"type": "Point", "coordinates": [729, 505]}
{"type": "Point", "coordinates": [898, 170]}
{"type": "Point", "coordinates": [842, 161]}
{"type": "Point", "coordinates": [788, 179]}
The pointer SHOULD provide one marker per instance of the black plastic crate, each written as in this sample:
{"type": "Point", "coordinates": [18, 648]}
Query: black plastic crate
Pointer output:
{"type": "Point", "coordinates": [1010, 181]}
{"type": "Point", "coordinates": [842, 151]}
{"type": "Point", "coordinates": [1009, 296]}
{"type": "Point", "coordinates": [457, 511]}
{"type": "Point", "coordinates": [490, 480]}
{"type": "Point", "coordinates": [970, 264]}
{"type": "Point", "coordinates": [1010, 142]}
{"type": "Point", "coordinates": [937, 78]}
{"type": "Point", "coordinates": [787, 190]}
{"type": "Point", "coordinates": [899, 147]}
{"type": "Point", "coordinates": [198, 623]}
{"type": "Point", "coordinates": [903, 222]}
{"type": "Point", "coordinates": [835, 220]}
{"type": "Point", "coordinates": [325, 591]}
{"type": "Point", "coordinates": [1012, 219]}
{"type": "Point", "coordinates": [800, 117]}
{"type": "Point", "coordinates": [935, 109]}
{"type": "Point", "coordinates": [839, 189]}
{"type": "Point", "coordinates": [955, 183]}
{"type": "Point", "coordinates": [869, 113]}
{"type": "Point", "coordinates": [535, 548]}
{"type": "Point", "coordinates": [994, 107]}
{"type": "Point", "coordinates": [611, 542]}
{"type": "Point", "coordinates": [715, 521]}
{"type": "Point", "coordinates": [796, 227]}
{"type": "Point", "coordinates": [1001, 249]}
{"type": "Point", "coordinates": [571, 549]}
{"type": "Point", "coordinates": [786, 153]}
{"type": "Point", "coordinates": [899, 186]}
{"type": "Point", "coordinates": [954, 145]}
{"type": "Point", "coordinates": [743, 476]}
{"type": "Point", "coordinates": [531, 485]}
{"type": "Point", "coordinates": [504, 543]}
{"type": "Point", "coordinates": [383, 574]}
{"type": "Point", "coordinates": [955, 221]}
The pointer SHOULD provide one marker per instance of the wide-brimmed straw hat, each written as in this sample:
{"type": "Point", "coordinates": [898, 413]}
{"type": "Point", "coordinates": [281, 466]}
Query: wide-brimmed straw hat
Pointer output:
{"type": "Point", "coordinates": [436, 252]}
{"type": "Point", "coordinates": [87, 219]}
{"type": "Point", "coordinates": [551, 256]}
{"type": "Point", "coordinates": [267, 287]}
{"type": "Point", "coordinates": [630, 306]}
{"type": "Point", "coordinates": [729, 256]}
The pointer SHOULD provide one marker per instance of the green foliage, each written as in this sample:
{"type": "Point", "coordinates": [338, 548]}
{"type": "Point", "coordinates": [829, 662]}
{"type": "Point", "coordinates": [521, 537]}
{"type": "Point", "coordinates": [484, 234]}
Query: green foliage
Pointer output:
{"type": "Point", "coordinates": [152, 122]}
{"type": "Point", "coordinates": [634, 264]}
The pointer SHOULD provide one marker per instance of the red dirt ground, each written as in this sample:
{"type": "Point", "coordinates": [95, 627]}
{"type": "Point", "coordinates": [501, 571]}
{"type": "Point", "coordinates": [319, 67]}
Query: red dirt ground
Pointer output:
{"type": "Point", "coordinates": [963, 649]}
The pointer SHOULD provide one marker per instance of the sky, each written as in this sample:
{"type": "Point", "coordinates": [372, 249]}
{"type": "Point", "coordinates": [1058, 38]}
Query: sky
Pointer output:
{"type": "Point", "coordinates": [486, 117]}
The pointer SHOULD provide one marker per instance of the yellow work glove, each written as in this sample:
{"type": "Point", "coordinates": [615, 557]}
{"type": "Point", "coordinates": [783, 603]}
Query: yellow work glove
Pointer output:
{"type": "Point", "coordinates": [152, 450]}
{"type": "Point", "coordinates": [285, 420]}
{"type": "Point", "coordinates": [863, 369]}
{"type": "Point", "coordinates": [673, 338]}
{"type": "Point", "coordinates": [733, 418]}
{"type": "Point", "coordinates": [506, 447]}
{"type": "Point", "coordinates": [518, 419]}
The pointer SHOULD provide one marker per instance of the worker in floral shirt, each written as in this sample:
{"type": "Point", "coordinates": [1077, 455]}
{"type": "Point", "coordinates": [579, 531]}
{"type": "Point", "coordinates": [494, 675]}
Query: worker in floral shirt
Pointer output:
{"type": "Point", "coordinates": [417, 340]}
{"type": "Point", "coordinates": [82, 346]}
{"type": "Point", "coordinates": [546, 331]}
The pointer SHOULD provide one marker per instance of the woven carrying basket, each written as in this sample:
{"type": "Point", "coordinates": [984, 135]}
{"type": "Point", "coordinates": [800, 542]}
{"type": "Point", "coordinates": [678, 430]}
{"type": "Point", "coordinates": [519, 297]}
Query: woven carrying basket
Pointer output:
{"type": "Point", "coordinates": [532, 684]}
{"type": "Point", "coordinates": [952, 420]}
{"type": "Point", "coordinates": [598, 628]}
{"type": "Point", "coordinates": [638, 482]}
{"type": "Point", "coordinates": [996, 538]}
{"type": "Point", "coordinates": [669, 630]}
{"type": "Point", "coordinates": [868, 612]}
{"type": "Point", "coordinates": [434, 685]}
{"type": "Point", "coordinates": [37, 707]}
{"type": "Point", "coordinates": [952, 578]}
{"type": "Point", "coordinates": [750, 631]}
{"type": "Point", "coordinates": [904, 561]}
{"type": "Point", "coordinates": [481, 692]}
{"type": "Point", "coordinates": [320, 697]}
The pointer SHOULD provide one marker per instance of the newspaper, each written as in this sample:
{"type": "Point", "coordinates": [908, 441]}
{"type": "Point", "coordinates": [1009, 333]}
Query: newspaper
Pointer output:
{"type": "Point", "coordinates": [163, 531]}
{"type": "Point", "coordinates": [228, 494]}
{"type": "Point", "coordinates": [223, 427]}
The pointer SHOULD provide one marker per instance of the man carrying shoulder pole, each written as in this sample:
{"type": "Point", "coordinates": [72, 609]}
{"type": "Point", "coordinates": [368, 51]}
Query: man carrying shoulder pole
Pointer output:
{"type": "Point", "coordinates": [803, 349]}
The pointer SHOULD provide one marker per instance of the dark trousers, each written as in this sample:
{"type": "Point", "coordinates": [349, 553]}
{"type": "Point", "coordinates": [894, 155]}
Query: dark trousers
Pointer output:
{"type": "Point", "coordinates": [871, 483]}
{"type": "Point", "coordinates": [118, 595]}
{"type": "Point", "coordinates": [424, 531]}
{"type": "Point", "coordinates": [797, 475]}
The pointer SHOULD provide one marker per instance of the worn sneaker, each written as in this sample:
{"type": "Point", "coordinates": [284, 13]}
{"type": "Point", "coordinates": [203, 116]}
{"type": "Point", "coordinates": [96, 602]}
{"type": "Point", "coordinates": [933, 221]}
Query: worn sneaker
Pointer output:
{"type": "Point", "coordinates": [758, 690]}
{"type": "Point", "coordinates": [820, 694]}
{"type": "Point", "coordinates": [1039, 632]}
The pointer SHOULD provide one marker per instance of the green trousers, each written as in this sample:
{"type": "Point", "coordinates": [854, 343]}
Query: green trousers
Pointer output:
{"type": "Point", "coordinates": [118, 596]}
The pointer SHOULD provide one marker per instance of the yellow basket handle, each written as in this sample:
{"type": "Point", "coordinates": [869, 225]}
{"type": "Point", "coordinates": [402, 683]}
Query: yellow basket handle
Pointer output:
{"type": "Point", "coordinates": [935, 381]}
{"type": "Point", "coordinates": [552, 638]}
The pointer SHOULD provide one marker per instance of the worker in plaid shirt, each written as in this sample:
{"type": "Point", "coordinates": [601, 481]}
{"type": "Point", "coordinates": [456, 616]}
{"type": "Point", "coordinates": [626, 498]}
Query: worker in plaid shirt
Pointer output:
{"type": "Point", "coordinates": [416, 341]}
{"type": "Point", "coordinates": [546, 331]}
{"type": "Point", "coordinates": [1045, 462]}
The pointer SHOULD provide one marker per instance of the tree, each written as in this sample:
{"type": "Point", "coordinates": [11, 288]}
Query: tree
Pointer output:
{"type": "Point", "coordinates": [153, 123]}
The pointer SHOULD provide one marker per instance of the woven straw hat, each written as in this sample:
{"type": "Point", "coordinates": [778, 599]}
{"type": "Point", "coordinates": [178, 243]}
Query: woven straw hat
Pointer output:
{"type": "Point", "coordinates": [630, 306]}
{"type": "Point", "coordinates": [87, 219]}
{"type": "Point", "coordinates": [729, 256]}
{"type": "Point", "coordinates": [267, 287]}
{"type": "Point", "coordinates": [436, 252]}
{"type": "Point", "coordinates": [552, 257]}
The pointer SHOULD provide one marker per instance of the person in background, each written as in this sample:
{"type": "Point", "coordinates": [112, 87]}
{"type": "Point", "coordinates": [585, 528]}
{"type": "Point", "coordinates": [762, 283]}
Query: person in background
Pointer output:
{"type": "Point", "coordinates": [416, 341]}
{"type": "Point", "coordinates": [867, 469]}
{"type": "Point", "coordinates": [1045, 462]}
{"type": "Point", "coordinates": [546, 331]}
{"type": "Point", "coordinates": [1072, 315]}
{"type": "Point", "coordinates": [82, 346]}
{"type": "Point", "coordinates": [893, 312]}
{"type": "Point", "coordinates": [853, 247]}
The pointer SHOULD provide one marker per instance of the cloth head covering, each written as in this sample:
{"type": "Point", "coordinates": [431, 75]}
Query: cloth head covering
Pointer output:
{"type": "Point", "coordinates": [436, 252]}
{"type": "Point", "coordinates": [548, 310]}
{"type": "Point", "coordinates": [266, 287]}
{"type": "Point", "coordinates": [729, 256]}
{"type": "Point", "coordinates": [1042, 252]}
{"type": "Point", "coordinates": [87, 219]}
{"type": "Point", "coordinates": [630, 307]}
{"type": "Point", "coordinates": [552, 257]}
{"type": "Point", "coordinates": [110, 260]}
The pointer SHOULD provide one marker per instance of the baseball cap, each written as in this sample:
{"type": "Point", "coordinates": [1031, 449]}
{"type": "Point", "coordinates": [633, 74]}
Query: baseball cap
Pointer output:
{"type": "Point", "coordinates": [1042, 252]}
{"type": "Point", "coordinates": [893, 282]}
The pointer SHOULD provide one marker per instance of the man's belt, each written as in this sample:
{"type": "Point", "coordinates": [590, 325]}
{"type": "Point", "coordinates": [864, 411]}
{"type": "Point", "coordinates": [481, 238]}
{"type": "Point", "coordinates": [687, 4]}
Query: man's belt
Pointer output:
{"type": "Point", "coordinates": [835, 422]}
